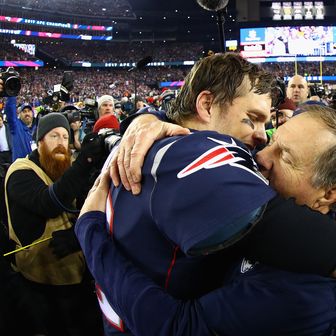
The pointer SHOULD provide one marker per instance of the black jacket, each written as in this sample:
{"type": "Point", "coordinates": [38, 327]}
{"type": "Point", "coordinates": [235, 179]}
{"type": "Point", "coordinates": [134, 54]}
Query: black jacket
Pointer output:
{"type": "Point", "coordinates": [30, 202]}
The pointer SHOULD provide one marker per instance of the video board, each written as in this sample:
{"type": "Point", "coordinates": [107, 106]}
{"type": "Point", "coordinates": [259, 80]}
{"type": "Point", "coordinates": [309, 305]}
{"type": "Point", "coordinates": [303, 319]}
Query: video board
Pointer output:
{"type": "Point", "coordinates": [54, 24]}
{"type": "Point", "coordinates": [55, 35]}
{"type": "Point", "coordinates": [288, 41]}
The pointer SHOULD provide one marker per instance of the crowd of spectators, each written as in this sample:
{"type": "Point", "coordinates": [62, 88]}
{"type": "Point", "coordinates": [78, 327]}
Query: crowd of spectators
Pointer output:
{"type": "Point", "coordinates": [94, 82]}
{"type": "Point", "coordinates": [120, 83]}
{"type": "Point", "coordinates": [287, 69]}
{"type": "Point", "coordinates": [123, 52]}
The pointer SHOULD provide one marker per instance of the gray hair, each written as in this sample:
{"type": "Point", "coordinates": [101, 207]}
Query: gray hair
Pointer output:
{"type": "Point", "coordinates": [324, 165]}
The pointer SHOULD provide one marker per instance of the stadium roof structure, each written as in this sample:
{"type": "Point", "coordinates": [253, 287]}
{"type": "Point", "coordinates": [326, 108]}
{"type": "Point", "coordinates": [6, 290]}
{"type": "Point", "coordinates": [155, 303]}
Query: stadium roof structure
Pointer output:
{"type": "Point", "coordinates": [133, 20]}
{"type": "Point", "coordinates": [182, 20]}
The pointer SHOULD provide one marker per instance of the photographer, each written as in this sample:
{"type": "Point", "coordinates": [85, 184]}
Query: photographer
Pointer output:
{"type": "Point", "coordinates": [77, 134]}
{"type": "Point", "coordinates": [40, 194]}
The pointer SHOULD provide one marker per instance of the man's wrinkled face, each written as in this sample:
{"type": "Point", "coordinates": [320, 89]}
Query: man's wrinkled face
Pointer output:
{"type": "Point", "coordinates": [244, 119]}
{"type": "Point", "coordinates": [297, 90]}
{"type": "Point", "coordinates": [26, 115]}
{"type": "Point", "coordinates": [106, 108]}
{"type": "Point", "coordinates": [288, 161]}
{"type": "Point", "coordinates": [54, 152]}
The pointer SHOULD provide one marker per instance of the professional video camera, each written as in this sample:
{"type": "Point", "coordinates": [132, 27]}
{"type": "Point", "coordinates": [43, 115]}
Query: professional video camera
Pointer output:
{"type": "Point", "coordinates": [11, 83]}
{"type": "Point", "coordinates": [71, 112]}
{"type": "Point", "coordinates": [316, 90]}
{"type": "Point", "coordinates": [60, 92]}
{"type": "Point", "coordinates": [88, 115]}
{"type": "Point", "coordinates": [109, 138]}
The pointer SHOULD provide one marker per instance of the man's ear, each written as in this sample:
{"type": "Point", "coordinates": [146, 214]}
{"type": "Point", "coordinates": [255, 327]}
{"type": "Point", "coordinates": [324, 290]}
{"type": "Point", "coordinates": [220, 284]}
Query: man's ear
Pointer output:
{"type": "Point", "coordinates": [203, 105]}
{"type": "Point", "coordinates": [324, 203]}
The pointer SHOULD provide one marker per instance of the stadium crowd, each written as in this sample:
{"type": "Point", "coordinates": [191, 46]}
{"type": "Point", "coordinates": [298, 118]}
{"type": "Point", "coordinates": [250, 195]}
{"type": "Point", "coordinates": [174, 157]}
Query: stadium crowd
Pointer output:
{"type": "Point", "coordinates": [125, 52]}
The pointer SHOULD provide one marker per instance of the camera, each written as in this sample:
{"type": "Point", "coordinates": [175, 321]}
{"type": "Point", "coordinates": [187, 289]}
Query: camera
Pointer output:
{"type": "Point", "coordinates": [71, 113]}
{"type": "Point", "coordinates": [109, 138]}
{"type": "Point", "coordinates": [90, 109]}
{"type": "Point", "coordinates": [60, 92]}
{"type": "Point", "coordinates": [11, 83]}
{"type": "Point", "coordinates": [88, 115]}
{"type": "Point", "coordinates": [316, 90]}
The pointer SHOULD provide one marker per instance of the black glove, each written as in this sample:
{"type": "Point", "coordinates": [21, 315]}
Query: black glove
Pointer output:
{"type": "Point", "coordinates": [64, 242]}
{"type": "Point", "coordinates": [92, 149]}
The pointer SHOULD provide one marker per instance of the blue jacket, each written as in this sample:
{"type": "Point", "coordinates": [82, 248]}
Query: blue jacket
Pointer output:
{"type": "Point", "coordinates": [22, 134]}
{"type": "Point", "coordinates": [255, 300]}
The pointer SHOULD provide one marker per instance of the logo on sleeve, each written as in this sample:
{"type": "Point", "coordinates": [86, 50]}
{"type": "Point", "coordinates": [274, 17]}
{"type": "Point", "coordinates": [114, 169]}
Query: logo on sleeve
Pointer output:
{"type": "Point", "coordinates": [247, 265]}
{"type": "Point", "coordinates": [223, 154]}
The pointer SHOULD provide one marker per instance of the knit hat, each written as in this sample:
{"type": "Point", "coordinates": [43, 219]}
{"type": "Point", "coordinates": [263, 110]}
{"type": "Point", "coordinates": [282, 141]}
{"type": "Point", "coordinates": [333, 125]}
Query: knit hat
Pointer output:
{"type": "Point", "coordinates": [49, 122]}
{"type": "Point", "coordinates": [106, 121]}
{"type": "Point", "coordinates": [288, 104]}
{"type": "Point", "coordinates": [104, 99]}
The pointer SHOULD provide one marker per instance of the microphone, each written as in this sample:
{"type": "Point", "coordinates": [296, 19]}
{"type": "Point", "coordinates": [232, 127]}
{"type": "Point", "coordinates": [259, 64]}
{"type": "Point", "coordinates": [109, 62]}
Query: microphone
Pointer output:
{"type": "Point", "coordinates": [213, 5]}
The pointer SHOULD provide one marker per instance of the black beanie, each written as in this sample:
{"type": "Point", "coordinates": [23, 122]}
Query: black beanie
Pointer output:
{"type": "Point", "coordinates": [50, 121]}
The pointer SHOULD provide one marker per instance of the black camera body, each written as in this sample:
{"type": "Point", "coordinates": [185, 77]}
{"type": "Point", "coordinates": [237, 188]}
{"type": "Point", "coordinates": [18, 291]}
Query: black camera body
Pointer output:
{"type": "Point", "coordinates": [316, 90]}
{"type": "Point", "coordinates": [109, 138]}
{"type": "Point", "coordinates": [88, 115]}
{"type": "Point", "coordinates": [90, 109]}
{"type": "Point", "coordinates": [71, 113]}
{"type": "Point", "coordinates": [60, 92]}
{"type": "Point", "coordinates": [11, 83]}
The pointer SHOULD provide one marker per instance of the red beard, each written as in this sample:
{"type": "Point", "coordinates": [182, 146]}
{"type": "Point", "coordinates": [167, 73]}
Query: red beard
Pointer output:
{"type": "Point", "coordinates": [54, 165]}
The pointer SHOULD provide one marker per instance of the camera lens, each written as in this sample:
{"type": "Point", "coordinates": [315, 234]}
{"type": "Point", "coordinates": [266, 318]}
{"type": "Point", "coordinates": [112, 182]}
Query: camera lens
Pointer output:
{"type": "Point", "coordinates": [12, 86]}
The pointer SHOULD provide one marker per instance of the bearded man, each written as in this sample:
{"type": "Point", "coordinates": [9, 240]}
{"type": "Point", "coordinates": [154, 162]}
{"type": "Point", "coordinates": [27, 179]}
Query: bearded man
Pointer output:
{"type": "Point", "coordinates": [40, 193]}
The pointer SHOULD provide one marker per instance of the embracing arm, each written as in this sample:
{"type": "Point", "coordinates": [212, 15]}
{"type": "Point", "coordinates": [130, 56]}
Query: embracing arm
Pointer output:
{"type": "Point", "coordinates": [145, 308]}
{"type": "Point", "coordinates": [252, 297]}
{"type": "Point", "coordinates": [148, 310]}
{"type": "Point", "coordinates": [134, 297]}
{"type": "Point", "coordinates": [140, 132]}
